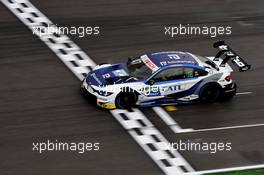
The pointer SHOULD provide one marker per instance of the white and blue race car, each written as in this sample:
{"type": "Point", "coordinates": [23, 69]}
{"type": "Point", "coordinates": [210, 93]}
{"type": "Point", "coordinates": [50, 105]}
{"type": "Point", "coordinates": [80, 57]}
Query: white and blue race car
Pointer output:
{"type": "Point", "coordinates": [164, 78]}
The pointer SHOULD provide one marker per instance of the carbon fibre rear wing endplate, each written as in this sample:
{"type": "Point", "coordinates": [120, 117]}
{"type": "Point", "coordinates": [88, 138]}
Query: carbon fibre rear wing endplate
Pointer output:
{"type": "Point", "coordinates": [224, 49]}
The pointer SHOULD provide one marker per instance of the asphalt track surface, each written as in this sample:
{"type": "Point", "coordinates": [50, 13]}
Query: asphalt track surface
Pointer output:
{"type": "Point", "coordinates": [40, 98]}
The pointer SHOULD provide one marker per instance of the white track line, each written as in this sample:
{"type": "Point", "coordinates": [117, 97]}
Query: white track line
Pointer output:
{"type": "Point", "coordinates": [152, 141]}
{"type": "Point", "coordinates": [227, 169]}
{"type": "Point", "coordinates": [175, 127]}
{"type": "Point", "coordinates": [225, 128]}
{"type": "Point", "coordinates": [243, 93]}
{"type": "Point", "coordinates": [138, 126]}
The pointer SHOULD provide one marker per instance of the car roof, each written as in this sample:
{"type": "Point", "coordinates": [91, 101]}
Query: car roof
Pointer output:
{"type": "Point", "coordinates": [162, 59]}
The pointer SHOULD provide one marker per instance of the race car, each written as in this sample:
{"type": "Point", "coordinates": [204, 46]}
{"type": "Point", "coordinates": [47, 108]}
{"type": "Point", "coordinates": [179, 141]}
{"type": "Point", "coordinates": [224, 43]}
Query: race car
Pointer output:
{"type": "Point", "coordinates": [164, 78]}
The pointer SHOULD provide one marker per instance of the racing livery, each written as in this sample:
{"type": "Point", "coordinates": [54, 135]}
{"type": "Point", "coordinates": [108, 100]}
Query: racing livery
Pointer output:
{"type": "Point", "coordinates": [164, 78]}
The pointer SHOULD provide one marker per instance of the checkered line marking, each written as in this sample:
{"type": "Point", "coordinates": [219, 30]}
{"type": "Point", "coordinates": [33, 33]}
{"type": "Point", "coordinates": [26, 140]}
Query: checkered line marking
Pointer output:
{"type": "Point", "coordinates": [152, 141]}
{"type": "Point", "coordinates": [137, 125]}
{"type": "Point", "coordinates": [68, 52]}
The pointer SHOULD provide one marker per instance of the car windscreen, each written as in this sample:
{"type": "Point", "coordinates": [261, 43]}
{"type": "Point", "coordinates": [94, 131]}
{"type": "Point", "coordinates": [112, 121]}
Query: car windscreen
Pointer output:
{"type": "Point", "coordinates": [138, 69]}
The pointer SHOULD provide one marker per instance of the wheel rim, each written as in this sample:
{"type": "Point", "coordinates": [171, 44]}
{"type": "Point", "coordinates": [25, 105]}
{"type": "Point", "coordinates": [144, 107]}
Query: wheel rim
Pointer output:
{"type": "Point", "coordinates": [210, 93]}
{"type": "Point", "coordinates": [125, 101]}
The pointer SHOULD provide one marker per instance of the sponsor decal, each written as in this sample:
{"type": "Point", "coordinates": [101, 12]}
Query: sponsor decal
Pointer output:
{"type": "Point", "coordinates": [120, 73]}
{"type": "Point", "coordinates": [174, 56]}
{"type": "Point", "coordinates": [149, 63]}
{"type": "Point", "coordinates": [151, 90]}
{"type": "Point", "coordinates": [156, 90]}
{"type": "Point", "coordinates": [171, 88]}
{"type": "Point", "coordinates": [96, 78]}
{"type": "Point", "coordinates": [105, 76]}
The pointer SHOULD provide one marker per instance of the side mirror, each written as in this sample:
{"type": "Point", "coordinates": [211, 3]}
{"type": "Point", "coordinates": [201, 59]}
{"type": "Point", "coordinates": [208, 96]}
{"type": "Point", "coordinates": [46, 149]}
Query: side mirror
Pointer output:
{"type": "Point", "coordinates": [151, 82]}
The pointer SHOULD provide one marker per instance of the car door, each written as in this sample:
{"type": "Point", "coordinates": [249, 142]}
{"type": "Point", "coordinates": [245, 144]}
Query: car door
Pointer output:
{"type": "Point", "coordinates": [174, 80]}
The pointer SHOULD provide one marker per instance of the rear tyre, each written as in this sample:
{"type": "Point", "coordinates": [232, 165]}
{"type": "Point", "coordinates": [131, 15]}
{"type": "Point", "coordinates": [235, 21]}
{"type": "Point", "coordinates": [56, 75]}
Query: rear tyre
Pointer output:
{"type": "Point", "coordinates": [210, 93]}
{"type": "Point", "coordinates": [126, 100]}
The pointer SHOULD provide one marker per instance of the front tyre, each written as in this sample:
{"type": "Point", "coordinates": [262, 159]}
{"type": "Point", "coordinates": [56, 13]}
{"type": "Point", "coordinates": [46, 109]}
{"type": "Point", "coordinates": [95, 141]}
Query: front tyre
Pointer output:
{"type": "Point", "coordinates": [82, 88]}
{"type": "Point", "coordinates": [210, 93]}
{"type": "Point", "coordinates": [126, 100]}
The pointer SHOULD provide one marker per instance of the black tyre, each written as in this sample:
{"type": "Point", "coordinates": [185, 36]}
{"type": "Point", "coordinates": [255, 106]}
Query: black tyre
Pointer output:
{"type": "Point", "coordinates": [82, 89]}
{"type": "Point", "coordinates": [210, 93]}
{"type": "Point", "coordinates": [126, 100]}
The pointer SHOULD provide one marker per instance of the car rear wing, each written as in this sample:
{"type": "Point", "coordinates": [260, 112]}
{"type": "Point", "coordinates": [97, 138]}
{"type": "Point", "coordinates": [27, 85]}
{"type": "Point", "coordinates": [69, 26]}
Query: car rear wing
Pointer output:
{"type": "Point", "coordinates": [229, 54]}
